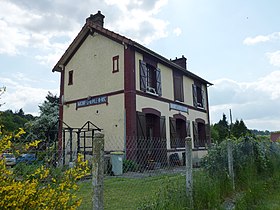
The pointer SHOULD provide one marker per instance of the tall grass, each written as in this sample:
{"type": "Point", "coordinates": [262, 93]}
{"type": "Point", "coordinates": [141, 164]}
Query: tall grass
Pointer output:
{"type": "Point", "coordinates": [256, 168]}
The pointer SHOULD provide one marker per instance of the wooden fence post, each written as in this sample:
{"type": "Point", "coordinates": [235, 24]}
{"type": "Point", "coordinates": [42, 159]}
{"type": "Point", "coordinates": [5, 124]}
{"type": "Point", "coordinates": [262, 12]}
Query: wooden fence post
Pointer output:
{"type": "Point", "coordinates": [98, 172]}
{"type": "Point", "coordinates": [230, 162]}
{"type": "Point", "coordinates": [189, 175]}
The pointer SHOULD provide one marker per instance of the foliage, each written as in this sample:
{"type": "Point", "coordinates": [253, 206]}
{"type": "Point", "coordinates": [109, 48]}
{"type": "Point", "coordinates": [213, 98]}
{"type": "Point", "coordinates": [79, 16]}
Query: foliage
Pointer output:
{"type": "Point", "coordinates": [255, 164]}
{"type": "Point", "coordinates": [260, 133]}
{"type": "Point", "coordinates": [130, 165]}
{"type": "Point", "coordinates": [48, 119]}
{"type": "Point", "coordinates": [223, 130]}
{"type": "Point", "coordinates": [170, 195]}
{"type": "Point", "coordinates": [38, 188]}
{"type": "Point", "coordinates": [12, 121]}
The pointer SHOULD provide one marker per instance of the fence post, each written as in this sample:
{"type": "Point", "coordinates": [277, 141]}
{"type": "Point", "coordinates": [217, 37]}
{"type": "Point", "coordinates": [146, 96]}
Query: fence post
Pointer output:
{"type": "Point", "coordinates": [98, 172]}
{"type": "Point", "coordinates": [230, 162]}
{"type": "Point", "coordinates": [189, 175]}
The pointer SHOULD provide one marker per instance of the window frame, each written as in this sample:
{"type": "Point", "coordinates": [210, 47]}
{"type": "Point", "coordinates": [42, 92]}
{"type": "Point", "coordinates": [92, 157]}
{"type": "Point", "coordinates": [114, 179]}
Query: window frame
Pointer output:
{"type": "Point", "coordinates": [198, 96]}
{"type": "Point", "coordinates": [115, 61]}
{"type": "Point", "coordinates": [178, 85]}
{"type": "Point", "coordinates": [70, 77]}
{"type": "Point", "coordinates": [153, 86]}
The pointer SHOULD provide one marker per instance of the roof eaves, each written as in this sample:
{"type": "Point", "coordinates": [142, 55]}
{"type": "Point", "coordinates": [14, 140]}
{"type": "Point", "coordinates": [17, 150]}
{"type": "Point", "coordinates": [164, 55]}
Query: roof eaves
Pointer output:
{"type": "Point", "coordinates": [69, 51]}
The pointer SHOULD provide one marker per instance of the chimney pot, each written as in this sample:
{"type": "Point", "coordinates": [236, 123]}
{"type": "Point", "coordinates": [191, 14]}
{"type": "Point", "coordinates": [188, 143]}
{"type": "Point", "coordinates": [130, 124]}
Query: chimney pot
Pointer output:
{"type": "Point", "coordinates": [181, 62]}
{"type": "Point", "coordinates": [97, 18]}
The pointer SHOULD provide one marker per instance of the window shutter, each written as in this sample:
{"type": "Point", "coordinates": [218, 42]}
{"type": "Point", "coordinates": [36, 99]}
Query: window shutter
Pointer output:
{"type": "Point", "coordinates": [188, 129]}
{"type": "Point", "coordinates": [162, 128]}
{"type": "Point", "coordinates": [203, 98]}
{"type": "Point", "coordinates": [178, 87]}
{"type": "Point", "coordinates": [194, 95]}
{"type": "Point", "coordinates": [172, 125]}
{"type": "Point", "coordinates": [195, 134]}
{"type": "Point", "coordinates": [141, 124]}
{"type": "Point", "coordinates": [158, 80]}
{"type": "Point", "coordinates": [143, 75]}
{"type": "Point", "coordinates": [208, 135]}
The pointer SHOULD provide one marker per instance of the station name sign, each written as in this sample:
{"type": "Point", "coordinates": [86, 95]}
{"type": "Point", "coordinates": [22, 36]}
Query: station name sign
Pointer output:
{"type": "Point", "coordinates": [92, 101]}
{"type": "Point", "coordinates": [178, 107]}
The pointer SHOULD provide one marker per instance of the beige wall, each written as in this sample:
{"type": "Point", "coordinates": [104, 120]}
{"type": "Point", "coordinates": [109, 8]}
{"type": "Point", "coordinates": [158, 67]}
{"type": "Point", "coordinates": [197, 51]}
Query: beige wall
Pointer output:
{"type": "Point", "coordinates": [163, 107]}
{"type": "Point", "coordinates": [109, 117]}
{"type": "Point", "coordinates": [167, 82]}
{"type": "Point", "coordinates": [92, 65]}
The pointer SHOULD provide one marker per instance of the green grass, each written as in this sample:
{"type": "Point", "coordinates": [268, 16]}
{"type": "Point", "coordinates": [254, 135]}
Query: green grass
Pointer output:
{"type": "Point", "coordinates": [270, 201]}
{"type": "Point", "coordinates": [123, 193]}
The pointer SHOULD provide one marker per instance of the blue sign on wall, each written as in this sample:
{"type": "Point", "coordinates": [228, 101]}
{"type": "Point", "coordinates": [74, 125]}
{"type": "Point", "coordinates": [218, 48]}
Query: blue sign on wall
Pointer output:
{"type": "Point", "coordinates": [179, 107]}
{"type": "Point", "coordinates": [92, 101]}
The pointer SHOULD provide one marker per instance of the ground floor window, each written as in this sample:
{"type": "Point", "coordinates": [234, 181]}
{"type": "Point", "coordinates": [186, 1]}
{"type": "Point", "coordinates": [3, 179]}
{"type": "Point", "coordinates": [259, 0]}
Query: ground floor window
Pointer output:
{"type": "Point", "coordinates": [179, 130]}
{"type": "Point", "coordinates": [151, 137]}
{"type": "Point", "coordinates": [201, 133]}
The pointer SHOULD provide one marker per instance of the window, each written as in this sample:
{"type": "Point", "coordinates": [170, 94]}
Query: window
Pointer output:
{"type": "Point", "coordinates": [178, 86]}
{"type": "Point", "coordinates": [150, 78]}
{"type": "Point", "coordinates": [115, 64]}
{"type": "Point", "coordinates": [70, 77]}
{"type": "Point", "coordinates": [179, 130]}
{"type": "Point", "coordinates": [201, 132]}
{"type": "Point", "coordinates": [198, 96]}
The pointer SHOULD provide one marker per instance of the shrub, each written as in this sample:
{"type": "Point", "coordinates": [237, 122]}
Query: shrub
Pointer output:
{"type": "Point", "coordinates": [37, 187]}
{"type": "Point", "coordinates": [130, 165]}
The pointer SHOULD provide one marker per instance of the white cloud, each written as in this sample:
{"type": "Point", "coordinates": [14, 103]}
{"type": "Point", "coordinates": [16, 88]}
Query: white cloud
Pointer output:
{"type": "Point", "coordinates": [19, 94]}
{"type": "Point", "coordinates": [177, 31]}
{"type": "Point", "coordinates": [261, 38]}
{"type": "Point", "coordinates": [255, 102]}
{"type": "Point", "coordinates": [274, 58]}
{"type": "Point", "coordinates": [49, 28]}
{"type": "Point", "coordinates": [137, 20]}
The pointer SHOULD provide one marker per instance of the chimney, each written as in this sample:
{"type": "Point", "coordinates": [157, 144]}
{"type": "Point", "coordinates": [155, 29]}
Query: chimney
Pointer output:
{"type": "Point", "coordinates": [97, 19]}
{"type": "Point", "coordinates": [181, 62]}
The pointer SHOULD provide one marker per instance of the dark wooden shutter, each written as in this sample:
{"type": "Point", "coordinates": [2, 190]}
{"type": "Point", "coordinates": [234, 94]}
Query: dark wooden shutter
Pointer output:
{"type": "Point", "coordinates": [178, 87]}
{"type": "Point", "coordinates": [162, 128]}
{"type": "Point", "coordinates": [172, 125]}
{"type": "Point", "coordinates": [203, 98]}
{"type": "Point", "coordinates": [141, 124]}
{"type": "Point", "coordinates": [194, 95]}
{"type": "Point", "coordinates": [195, 134]}
{"type": "Point", "coordinates": [143, 75]}
{"type": "Point", "coordinates": [163, 145]}
{"type": "Point", "coordinates": [188, 128]}
{"type": "Point", "coordinates": [158, 80]}
{"type": "Point", "coordinates": [208, 134]}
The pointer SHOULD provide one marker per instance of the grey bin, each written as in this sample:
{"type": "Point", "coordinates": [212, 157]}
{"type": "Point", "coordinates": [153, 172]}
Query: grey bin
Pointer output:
{"type": "Point", "coordinates": [117, 163]}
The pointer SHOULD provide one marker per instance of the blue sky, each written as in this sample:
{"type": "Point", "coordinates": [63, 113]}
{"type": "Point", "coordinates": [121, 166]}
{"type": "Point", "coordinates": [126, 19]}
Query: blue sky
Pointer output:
{"type": "Point", "coordinates": [233, 44]}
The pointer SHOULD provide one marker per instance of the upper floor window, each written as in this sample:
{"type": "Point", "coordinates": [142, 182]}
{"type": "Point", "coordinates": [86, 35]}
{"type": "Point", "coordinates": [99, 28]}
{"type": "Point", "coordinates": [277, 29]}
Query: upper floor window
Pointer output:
{"type": "Point", "coordinates": [115, 64]}
{"type": "Point", "coordinates": [70, 77]}
{"type": "Point", "coordinates": [178, 86]}
{"type": "Point", "coordinates": [150, 78]}
{"type": "Point", "coordinates": [198, 96]}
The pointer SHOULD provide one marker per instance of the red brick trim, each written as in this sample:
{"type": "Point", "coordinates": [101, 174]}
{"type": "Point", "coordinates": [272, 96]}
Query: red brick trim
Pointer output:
{"type": "Point", "coordinates": [180, 116]}
{"type": "Point", "coordinates": [130, 101]}
{"type": "Point", "coordinates": [166, 100]}
{"type": "Point", "coordinates": [105, 94]}
{"type": "Point", "coordinates": [151, 111]}
{"type": "Point", "coordinates": [115, 60]}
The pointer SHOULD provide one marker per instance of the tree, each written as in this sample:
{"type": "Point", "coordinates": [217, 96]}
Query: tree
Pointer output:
{"type": "Point", "coordinates": [239, 129]}
{"type": "Point", "coordinates": [222, 129]}
{"type": "Point", "coordinates": [48, 119]}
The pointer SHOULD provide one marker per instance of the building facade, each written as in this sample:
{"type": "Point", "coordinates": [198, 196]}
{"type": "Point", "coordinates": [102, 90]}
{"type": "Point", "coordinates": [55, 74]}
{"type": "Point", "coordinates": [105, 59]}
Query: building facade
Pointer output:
{"type": "Point", "coordinates": [139, 98]}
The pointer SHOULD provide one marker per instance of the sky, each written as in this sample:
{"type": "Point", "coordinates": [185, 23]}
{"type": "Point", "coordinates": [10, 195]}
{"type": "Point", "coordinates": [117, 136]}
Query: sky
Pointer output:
{"type": "Point", "coordinates": [233, 44]}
